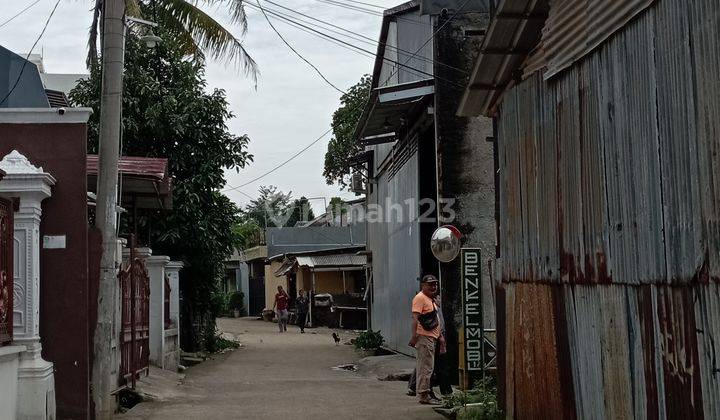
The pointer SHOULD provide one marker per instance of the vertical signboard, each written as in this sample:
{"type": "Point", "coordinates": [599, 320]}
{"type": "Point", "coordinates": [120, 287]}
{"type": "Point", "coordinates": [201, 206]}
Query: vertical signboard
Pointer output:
{"type": "Point", "coordinates": [472, 314]}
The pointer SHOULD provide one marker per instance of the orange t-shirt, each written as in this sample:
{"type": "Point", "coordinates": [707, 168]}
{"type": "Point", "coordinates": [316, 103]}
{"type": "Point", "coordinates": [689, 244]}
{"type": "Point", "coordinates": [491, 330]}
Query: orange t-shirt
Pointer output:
{"type": "Point", "coordinates": [422, 305]}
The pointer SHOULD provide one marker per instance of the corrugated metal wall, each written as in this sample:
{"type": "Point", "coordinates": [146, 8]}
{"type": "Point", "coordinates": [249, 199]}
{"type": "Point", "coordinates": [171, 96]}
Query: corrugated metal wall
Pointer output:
{"type": "Point", "coordinates": [395, 246]}
{"type": "Point", "coordinates": [576, 27]}
{"type": "Point", "coordinates": [609, 227]}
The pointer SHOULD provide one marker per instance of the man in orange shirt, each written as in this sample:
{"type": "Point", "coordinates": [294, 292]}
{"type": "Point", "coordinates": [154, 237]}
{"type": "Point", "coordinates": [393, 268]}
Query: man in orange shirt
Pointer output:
{"type": "Point", "coordinates": [425, 336]}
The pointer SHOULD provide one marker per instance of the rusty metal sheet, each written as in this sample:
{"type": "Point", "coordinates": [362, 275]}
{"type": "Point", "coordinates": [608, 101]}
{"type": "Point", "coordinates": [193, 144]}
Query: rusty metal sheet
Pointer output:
{"type": "Point", "coordinates": [610, 351]}
{"type": "Point", "coordinates": [534, 361]}
{"type": "Point", "coordinates": [707, 318]}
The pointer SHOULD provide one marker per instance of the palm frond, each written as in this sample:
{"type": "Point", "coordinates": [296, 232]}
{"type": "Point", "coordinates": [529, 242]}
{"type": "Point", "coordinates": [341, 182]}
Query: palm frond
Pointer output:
{"type": "Point", "coordinates": [210, 36]}
{"type": "Point", "coordinates": [92, 56]}
{"type": "Point", "coordinates": [236, 9]}
{"type": "Point", "coordinates": [132, 8]}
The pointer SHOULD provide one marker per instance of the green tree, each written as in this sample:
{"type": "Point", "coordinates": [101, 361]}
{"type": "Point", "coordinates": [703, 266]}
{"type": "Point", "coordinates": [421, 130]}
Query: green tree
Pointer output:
{"type": "Point", "coordinates": [194, 32]}
{"type": "Point", "coordinates": [300, 212]}
{"type": "Point", "coordinates": [343, 146]}
{"type": "Point", "coordinates": [247, 233]}
{"type": "Point", "coordinates": [271, 208]}
{"type": "Point", "coordinates": [168, 112]}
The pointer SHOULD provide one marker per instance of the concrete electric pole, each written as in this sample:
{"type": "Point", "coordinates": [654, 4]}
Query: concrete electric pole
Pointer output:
{"type": "Point", "coordinates": [113, 57]}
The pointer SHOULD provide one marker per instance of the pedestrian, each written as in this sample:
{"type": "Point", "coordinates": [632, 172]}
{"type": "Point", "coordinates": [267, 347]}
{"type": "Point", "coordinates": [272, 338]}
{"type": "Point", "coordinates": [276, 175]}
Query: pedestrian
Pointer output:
{"type": "Point", "coordinates": [281, 307]}
{"type": "Point", "coordinates": [440, 375]}
{"type": "Point", "coordinates": [302, 303]}
{"type": "Point", "coordinates": [426, 336]}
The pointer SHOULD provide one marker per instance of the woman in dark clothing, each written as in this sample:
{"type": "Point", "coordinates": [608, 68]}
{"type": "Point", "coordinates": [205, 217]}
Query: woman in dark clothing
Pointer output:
{"type": "Point", "coordinates": [302, 303]}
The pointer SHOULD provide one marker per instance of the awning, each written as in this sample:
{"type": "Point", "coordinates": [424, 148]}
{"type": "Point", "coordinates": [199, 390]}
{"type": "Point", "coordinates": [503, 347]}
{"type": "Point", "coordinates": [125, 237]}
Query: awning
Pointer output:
{"type": "Point", "coordinates": [287, 266]}
{"type": "Point", "coordinates": [324, 261]}
{"type": "Point", "coordinates": [331, 262]}
{"type": "Point", "coordinates": [389, 109]}
{"type": "Point", "coordinates": [515, 29]}
{"type": "Point", "coordinates": [145, 182]}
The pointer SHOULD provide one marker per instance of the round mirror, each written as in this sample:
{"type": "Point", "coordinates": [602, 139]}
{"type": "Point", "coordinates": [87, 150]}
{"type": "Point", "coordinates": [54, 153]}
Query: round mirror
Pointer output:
{"type": "Point", "coordinates": [445, 243]}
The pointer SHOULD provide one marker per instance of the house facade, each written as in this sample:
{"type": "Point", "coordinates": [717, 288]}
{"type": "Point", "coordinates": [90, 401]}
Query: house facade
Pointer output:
{"type": "Point", "coordinates": [425, 165]}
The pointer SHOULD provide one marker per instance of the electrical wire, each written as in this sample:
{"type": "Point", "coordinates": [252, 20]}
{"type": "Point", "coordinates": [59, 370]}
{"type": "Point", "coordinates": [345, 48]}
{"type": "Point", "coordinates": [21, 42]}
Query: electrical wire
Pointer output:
{"type": "Point", "coordinates": [437, 31]}
{"type": "Point", "coordinates": [367, 4]}
{"type": "Point", "coordinates": [296, 51]}
{"type": "Point", "coordinates": [22, 69]}
{"type": "Point", "coordinates": [19, 13]}
{"type": "Point", "coordinates": [411, 69]}
{"type": "Point", "coordinates": [432, 36]}
{"type": "Point", "coordinates": [359, 37]}
{"type": "Point", "coordinates": [352, 7]}
{"type": "Point", "coordinates": [282, 164]}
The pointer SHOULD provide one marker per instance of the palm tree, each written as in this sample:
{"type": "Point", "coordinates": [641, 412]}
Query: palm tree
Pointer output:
{"type": "Point", "coordinates": [196, 32]}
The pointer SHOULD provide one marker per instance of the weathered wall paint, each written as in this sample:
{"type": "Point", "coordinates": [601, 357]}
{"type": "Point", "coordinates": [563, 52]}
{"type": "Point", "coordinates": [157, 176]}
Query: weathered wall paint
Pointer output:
{"type": "Point", "coordinates": [466, 174]}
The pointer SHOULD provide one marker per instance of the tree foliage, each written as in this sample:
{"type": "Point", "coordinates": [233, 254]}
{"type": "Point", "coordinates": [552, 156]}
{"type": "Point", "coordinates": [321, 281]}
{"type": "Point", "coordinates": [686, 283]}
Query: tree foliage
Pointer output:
{"type": "Point", "coordinates": [274, 208]}
{"type": "Point", "coordinates": [342, 145]}
{"type": "Point", "coordinates": [169, 112]}
{"type": "Point", "coordinates": [194, 32]}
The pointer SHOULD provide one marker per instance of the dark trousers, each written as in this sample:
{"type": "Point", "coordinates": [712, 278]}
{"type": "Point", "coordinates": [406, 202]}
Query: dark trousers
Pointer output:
{"type": "Point", "coordinates": [440, 375]}
{"type": "Point", "coordinates": [301, 319]}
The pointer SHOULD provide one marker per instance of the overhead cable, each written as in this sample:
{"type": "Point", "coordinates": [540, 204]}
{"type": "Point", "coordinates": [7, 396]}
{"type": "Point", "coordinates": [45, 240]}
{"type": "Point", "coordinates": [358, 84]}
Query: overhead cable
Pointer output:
{"type": "Point", "coordinates": [361, 37]}
{"type": "Point", "coordinates": [296, 51]}
{"type": "Point", "coordinates": [22, 69]}
{"type": "Point", "coordinates": [19, 13]}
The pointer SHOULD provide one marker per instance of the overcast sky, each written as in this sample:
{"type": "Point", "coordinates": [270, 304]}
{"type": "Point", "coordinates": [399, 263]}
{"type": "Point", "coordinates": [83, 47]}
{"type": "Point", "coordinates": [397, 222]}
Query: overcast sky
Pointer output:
{"type": "Point", "coordinates": [291, 107]}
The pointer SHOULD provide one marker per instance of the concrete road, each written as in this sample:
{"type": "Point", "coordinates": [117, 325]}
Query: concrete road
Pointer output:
{"type": "Point", "coordinates": [282, 376]}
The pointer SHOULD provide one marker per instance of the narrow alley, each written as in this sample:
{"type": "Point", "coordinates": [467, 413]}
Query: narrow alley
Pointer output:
{"type": "Point", "coordinates": [282, 376]}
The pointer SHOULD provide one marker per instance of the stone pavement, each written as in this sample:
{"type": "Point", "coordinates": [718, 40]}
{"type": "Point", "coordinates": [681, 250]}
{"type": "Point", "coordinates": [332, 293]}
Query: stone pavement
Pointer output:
{"type": "Point", "coordinates": [281, 376]}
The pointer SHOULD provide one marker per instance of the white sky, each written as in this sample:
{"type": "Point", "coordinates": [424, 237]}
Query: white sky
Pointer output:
{"type": "Point", "coordinates": [291, 107]}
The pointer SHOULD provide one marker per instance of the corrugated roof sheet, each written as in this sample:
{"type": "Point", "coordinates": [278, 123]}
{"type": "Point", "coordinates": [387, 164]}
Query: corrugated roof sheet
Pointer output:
{"type": "Point", "coordinates": [289, 240]}
{"type": "Point", "coordinates": [334, 260]}
{"type": "Point", "coordinates": [132, 165]}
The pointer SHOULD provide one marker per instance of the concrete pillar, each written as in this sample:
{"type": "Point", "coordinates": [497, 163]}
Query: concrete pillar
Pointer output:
{"type": "Point", "coordinates": [36, 382]}
{"type": "Point", "coordinates": [172, 271]}
{"type": "Point", "coordinates": [9, 362]}
{"type": "Point", "coordinates": [156, 269]}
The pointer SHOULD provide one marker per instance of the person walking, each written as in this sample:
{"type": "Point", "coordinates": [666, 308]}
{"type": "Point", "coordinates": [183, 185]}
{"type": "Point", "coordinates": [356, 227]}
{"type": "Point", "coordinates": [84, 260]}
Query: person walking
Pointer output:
{"type": "Point", "coordinates": [302, 303]}
{"type": "Point", "coordinates": [426, 336]}
{"type": "Point", "coordinates": [440, 373]}
{"type": "Point", "coordinates": [281, 303]}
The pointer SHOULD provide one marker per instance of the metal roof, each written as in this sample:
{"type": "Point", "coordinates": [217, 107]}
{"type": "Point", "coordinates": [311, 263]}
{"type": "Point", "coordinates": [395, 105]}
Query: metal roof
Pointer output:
{"type": "Point", "coordinates": [145, 181]}
{"type": "Point", "coordinates": [293, 240]}
{"type": "Point", "coordinates": [389, 108]}
{"type": "Point", "coordinates": [332, 260]}
{"type": "Point", "coordinates": [155, 168]}
{"type": "Point", "coordinates": [514, 30]}
{"type": "Point", "coordinates": [62, 82]}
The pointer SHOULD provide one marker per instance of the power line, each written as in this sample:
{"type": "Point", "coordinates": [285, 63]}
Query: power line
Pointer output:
{"type": "Point", "coordinates": [290, 22]}
{"type": "Point", "coordinates": [437, 31]}
{"type": "Point", "coordinates": [296, 51]}
{"type": "Point", "coordinates": [360, 37]}
{"type": "Point", "coordinates": [282, 164]}
{"type": "Point", "coordinates": [22, 69]}
{"type": "Point", "coordinates": [432, 36]}
{"type": "Point", "coordinates": [352, 7]}
{"type": "Point", "coordinates": [367, 4]}
{"type": "Point", "coordinates": [20, 13]}
{"type": "Point", "coordinates": [413, 70]}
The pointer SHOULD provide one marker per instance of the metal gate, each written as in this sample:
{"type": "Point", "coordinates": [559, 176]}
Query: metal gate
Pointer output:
{"type": "Point", "coordinates": [6, 271]}
{"type": "Point", "coordinates": [135, 331]}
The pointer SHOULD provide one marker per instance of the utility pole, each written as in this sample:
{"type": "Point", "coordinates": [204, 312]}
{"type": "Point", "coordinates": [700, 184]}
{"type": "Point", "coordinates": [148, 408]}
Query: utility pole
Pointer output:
{"type": "Point", "coordinates": [113, 57]}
